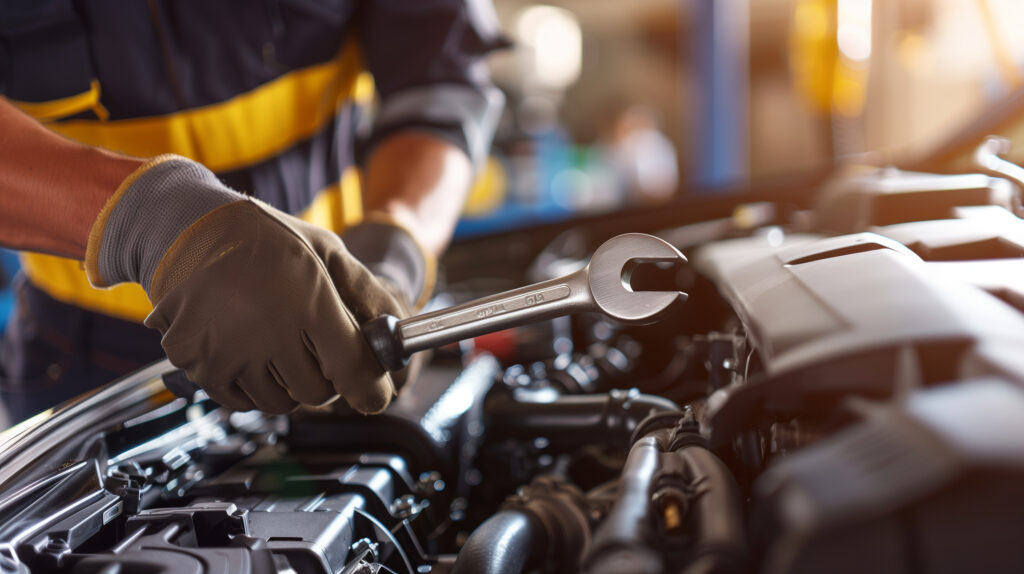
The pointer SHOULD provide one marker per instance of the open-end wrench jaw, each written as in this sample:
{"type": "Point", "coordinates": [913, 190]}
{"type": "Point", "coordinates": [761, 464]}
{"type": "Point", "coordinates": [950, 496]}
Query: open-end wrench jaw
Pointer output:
{"type": "Point", "coordinates": [610, 270]}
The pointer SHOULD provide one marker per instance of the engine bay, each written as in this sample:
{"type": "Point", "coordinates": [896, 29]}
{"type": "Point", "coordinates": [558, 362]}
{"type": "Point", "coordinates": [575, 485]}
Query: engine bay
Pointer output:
{"type": "Point", "coordinates": [842, 392]}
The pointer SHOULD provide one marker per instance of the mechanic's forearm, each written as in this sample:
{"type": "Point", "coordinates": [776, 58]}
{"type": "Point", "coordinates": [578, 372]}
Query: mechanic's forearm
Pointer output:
{"type": "Point", "coordinates": [421, 181]}
{"type": "Point", "coordinates": [51, 188]}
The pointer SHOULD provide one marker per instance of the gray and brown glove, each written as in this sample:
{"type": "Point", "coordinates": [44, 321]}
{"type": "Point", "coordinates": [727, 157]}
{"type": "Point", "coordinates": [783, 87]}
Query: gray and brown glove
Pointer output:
{"type": "Point", "coordinates": [401, 264]}
{"type": "Point", "coordinates": [259, 308]}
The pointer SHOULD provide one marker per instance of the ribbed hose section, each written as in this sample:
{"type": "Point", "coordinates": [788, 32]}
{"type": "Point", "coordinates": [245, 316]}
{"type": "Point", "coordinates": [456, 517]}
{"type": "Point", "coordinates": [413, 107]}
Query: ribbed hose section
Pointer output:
{"type": "Point", "coordinates": [503, 544]}
{"type": "Point", "coordinates": [619, 544]}
{"type": "Point", "coordinates": [719, 539]}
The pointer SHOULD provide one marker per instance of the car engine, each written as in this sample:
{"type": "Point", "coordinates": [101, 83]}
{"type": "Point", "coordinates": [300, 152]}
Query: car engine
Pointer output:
{"type": "Point", "coordinates": [843, 391]}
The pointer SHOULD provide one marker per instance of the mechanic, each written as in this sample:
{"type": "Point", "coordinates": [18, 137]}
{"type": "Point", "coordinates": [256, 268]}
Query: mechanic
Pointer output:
{"type": "Point", "coordinates": [125, 129]}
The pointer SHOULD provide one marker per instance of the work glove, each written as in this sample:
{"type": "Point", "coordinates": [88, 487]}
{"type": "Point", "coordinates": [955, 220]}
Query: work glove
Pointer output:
{"type": "Point", "coordinates": [259, 308]}
{"type": "Point", "coordinates": [391, 253]}
{"type": "Point", "coordinates": [403, 267]}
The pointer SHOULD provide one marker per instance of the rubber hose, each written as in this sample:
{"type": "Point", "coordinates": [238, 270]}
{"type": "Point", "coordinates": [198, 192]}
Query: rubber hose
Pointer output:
{"type": "Point", "coordinates": [619, 544]}
{"type": "Point", "coordinates": [575, 420]}
{"type": "Point", "coordinates": [719, 538]}
{"type": "Point", "coordinates": [503, 544]}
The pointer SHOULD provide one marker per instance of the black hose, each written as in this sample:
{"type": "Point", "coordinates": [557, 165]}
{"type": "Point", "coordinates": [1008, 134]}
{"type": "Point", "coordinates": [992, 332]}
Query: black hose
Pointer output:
{"type": "Point", "coordinates": [570, 422]}
{"type": "Point", "coordinates": [710, 511]}
{"type": "Point", "coordinates": [503, 544]}
{"type": "Point", "coordinates": [619, 544]}
{"type": "Point", "coordinates": [719, 543]}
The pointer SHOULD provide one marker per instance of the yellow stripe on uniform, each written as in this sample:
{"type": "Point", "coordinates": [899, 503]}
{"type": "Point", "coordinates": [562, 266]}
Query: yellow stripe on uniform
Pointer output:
{"type": "Point", "coordinates": [338, 205]}
{"type": "Point", "coordinates": [239, 132]}
{"type": "Point", "coordinates": [64, 107]}
{"type": "Point", "coordinates": [64, 280]}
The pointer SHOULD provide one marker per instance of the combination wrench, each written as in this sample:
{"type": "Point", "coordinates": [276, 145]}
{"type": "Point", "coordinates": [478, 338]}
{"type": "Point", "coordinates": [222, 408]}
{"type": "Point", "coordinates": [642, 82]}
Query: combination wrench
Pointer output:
{"type": "Point", "coordinates": [602, 286]}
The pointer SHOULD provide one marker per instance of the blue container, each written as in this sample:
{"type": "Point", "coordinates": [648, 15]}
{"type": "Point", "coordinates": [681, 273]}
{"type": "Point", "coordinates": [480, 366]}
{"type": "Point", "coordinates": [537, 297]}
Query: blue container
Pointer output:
{"type": "Point", "coordinates": [8, 267]}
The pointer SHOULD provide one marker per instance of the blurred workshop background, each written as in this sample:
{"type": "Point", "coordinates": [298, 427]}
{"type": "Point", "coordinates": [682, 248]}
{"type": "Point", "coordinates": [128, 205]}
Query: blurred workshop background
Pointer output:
{"type": "Point", "coordinates": [614, 102]}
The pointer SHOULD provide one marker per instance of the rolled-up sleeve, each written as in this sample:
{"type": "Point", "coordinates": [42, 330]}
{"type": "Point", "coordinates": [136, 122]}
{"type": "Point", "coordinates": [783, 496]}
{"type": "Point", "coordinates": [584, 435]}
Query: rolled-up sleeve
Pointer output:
{"type": "Point", "coordinates": [427, 61]}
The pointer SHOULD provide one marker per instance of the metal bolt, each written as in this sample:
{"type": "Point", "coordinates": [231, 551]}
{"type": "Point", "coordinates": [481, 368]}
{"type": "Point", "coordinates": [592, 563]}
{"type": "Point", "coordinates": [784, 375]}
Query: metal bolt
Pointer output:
{"type": "Point", "coordinates": [57, 546]}
{"type": "Point", "coordinates": [364, 545]}
{"type": "Point", "coordinates": [404, 506]}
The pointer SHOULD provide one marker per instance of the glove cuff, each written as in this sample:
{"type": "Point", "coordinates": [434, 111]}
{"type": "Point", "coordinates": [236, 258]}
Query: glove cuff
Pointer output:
{"type": "Point", "coordinates": [390, 252]}
{"type": "Point", "coordinates": [149, 210]}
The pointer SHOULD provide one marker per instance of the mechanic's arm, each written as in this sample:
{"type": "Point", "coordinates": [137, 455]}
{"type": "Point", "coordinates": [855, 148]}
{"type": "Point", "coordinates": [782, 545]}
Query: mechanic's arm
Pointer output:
{"type": "Point", "coordinates": [438, 112]}
{"type": "Point", "coordinates": [420, 181]}
{"type": "Point", "coordinates": [259, 308]}
{"type": "Point", "coordinates": [37, 170]}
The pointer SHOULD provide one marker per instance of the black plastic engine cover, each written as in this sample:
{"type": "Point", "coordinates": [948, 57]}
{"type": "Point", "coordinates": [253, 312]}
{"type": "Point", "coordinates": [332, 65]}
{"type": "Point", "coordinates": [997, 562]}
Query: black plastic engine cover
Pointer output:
{"type": "Point", "coordinates": [935, 485]}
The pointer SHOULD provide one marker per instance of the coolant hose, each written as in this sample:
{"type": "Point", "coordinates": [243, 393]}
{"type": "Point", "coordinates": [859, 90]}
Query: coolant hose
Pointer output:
{"type": "Point", "coordinates": [503, 544]}
{"type": "Point", "coordinates": [619, 545]}
{"type": "Point", "coordinates": [719, 538]}
{"type": "Point", "coordinates": [672, 458]}
{"type": "Point", "coordinates": [572, 421]}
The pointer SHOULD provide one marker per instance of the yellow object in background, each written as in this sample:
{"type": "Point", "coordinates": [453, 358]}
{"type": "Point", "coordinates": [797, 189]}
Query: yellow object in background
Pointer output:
{"type": "Point", "coordinates": [488, 191]}
{"type": "Point", "coordinates": [829, 80]}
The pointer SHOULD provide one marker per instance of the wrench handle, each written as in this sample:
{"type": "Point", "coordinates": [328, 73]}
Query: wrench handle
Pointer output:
{"type": "Point", "coordinates": [544, 300]}
{"type": "Point", "coordinates": [393, 340]}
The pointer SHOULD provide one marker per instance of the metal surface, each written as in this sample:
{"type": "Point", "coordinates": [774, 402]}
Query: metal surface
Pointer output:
{"type": "Point", "coordinates": [602, 287]}
{"type": "Point", "coordinates": [988, 157]}
{"type": "Point", "coordinates": [42, 435]}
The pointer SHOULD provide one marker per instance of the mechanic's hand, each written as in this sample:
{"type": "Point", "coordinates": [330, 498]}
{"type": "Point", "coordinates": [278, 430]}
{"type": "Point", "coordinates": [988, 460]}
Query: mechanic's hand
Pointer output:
{"type": "Point", "coordinates": [403, 267]}
{"type": "Point", "coordinates": [258, 307]}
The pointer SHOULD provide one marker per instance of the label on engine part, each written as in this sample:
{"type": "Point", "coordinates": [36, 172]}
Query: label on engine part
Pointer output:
{"type": "Point", "coordinates": [486, 311]}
